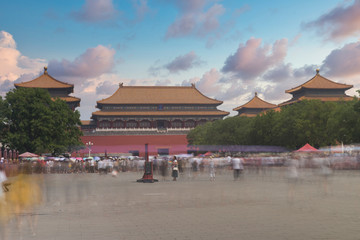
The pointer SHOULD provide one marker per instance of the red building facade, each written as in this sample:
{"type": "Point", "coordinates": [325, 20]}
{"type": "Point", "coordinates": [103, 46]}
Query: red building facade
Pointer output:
{"type": "Point", "coordinates": [160, 116]}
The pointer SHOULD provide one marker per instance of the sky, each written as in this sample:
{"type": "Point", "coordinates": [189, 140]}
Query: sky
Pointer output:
{"type": "Point", "coordinates": [229, 49]}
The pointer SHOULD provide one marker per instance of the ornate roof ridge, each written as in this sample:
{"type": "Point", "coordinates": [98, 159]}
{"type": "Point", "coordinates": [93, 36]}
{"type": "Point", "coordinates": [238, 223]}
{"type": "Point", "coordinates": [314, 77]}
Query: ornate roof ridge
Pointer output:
{"type": "Point", "coordinates": [158, 95]}
{"type": "Point", "coordinates": [34, 82]}
{"type": "Point", "coordinates": [256, 102]}
{"type": "Point", "coordinates": [315, 83]}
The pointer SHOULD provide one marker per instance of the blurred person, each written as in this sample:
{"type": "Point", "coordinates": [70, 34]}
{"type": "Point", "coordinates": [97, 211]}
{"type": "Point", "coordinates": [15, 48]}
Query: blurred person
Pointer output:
{"type": "Point", "coordinates": [195, 168]}
{"type": "Point", "coordinates": [3, 181]}
{"type": "Point", "coordinates": [325, 173]}
{"type": "Point", "coordinates": [293, 177]}
{"type": "Point", "coordinates": [188, 167]}
{"type": "Point", "coordinates": [24, 195]}
{"type": "Point", "coordinates": [212, 169]}
{"type": "Point", "coordinates": [175, 169]}
{"type": "Point", "coordinates": [238, 167]}
{"type": "Point", "coordinates": [163, 168]}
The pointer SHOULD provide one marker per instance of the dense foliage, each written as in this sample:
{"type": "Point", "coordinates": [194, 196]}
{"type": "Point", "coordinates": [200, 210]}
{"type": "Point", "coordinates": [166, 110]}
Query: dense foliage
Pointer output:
{"type": "Point", "coordinates": [310, 121]}
{"type": "Point", "coordinates": [32, 121]}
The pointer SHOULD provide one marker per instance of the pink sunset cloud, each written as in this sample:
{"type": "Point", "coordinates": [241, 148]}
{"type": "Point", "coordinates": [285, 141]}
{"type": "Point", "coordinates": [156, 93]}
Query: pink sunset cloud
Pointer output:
{"type": "Point", "coordinates": [252, 59]}
{"type": "Point", "coordinates": [343, 62]}
{"type": "Point", "coordinates": [93, 63]}
{"type": "Point", "coordinates": [341, 22]}
{"type": "Point", "coordinates": [195, 19]}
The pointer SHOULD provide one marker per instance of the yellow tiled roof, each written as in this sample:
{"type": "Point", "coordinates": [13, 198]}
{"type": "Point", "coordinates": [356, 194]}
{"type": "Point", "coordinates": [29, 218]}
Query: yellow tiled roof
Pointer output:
{"type": "Point", "coordinates": [256, 102]}
{"type": "Point", "coordinates": [162, 113]}
{"type": "Point", "coordinates": [158, 95]}
{"type": "Point", "coordinates": [320, 82]}
{"type": "Point", "coordinates": [44, 81]}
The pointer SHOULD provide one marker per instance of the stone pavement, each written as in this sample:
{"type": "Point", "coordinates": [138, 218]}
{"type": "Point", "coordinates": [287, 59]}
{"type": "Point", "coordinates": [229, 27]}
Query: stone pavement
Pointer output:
{"type": "Point", "coordinates": [258, 206]}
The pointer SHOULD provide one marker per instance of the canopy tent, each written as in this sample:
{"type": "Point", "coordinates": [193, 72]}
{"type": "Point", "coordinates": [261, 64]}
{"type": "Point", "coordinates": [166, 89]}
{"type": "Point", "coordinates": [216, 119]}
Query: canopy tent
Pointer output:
{"type": "Point", "coordinates": [28, 155]}
{"type": "Point", "coordinates": [307, 148]}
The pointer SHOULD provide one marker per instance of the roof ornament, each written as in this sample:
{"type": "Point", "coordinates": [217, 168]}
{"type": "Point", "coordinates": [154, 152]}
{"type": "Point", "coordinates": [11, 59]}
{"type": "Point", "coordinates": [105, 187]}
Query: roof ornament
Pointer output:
{"type": "Point", "coordinates": [193, 85]}
{"type": "Point", "coordinates": [255, 94]}
{"type": "Point", "coordinates": [317, 71]}
{"type": "Point", "coordinates": [45, 70]}
{"type": "Point", "coordinates": [121, 85]}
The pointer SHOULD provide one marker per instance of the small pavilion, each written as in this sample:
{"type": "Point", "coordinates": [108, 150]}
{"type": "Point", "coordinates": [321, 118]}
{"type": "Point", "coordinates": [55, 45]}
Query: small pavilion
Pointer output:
{"type": "Point", "coordinates": [319, 88]}
{"type": "Point", "coordinates": [56, 88]}
{"type": "Point", "coordinates": [255, 106]}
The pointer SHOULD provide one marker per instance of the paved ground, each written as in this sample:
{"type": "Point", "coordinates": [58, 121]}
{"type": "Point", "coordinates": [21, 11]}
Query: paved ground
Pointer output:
{"type": "Point", "coordinates": [258, 206]}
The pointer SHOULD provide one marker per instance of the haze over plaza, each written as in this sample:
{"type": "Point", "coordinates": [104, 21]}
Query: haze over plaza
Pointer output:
{"type": "Point", "coordinates": [229, 49]}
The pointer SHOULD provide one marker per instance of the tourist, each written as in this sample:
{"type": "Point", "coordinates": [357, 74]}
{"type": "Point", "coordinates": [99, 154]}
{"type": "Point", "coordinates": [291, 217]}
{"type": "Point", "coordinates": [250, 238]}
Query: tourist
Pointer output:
{"type": "Point", "coordinates": [212, 169]}
{"type": "Point", "coordinates": [293, 177]}
{"type": "Point", "coordinates": [3, 179]}
{"type": "Point", "coordinates": [194, 167]}
{"type": "Point", "coordinates": [175, 169]}
{"type": "Point", "coordinates": [163, 168]}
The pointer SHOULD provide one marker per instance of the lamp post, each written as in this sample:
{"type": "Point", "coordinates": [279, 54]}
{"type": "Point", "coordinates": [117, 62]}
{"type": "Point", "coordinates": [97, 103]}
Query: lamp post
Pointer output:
{"type": "Point", "coordinates": [89, 144]}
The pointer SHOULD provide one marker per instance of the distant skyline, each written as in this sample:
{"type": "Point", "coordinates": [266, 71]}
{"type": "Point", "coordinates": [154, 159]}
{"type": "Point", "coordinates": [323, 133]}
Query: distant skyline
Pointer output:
{"type": "Point", "coordinates": [230, 49]}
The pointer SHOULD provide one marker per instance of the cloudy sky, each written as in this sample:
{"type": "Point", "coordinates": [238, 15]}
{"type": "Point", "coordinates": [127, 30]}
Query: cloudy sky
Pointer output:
{"type": "Point", "coordinates": [229, 49]}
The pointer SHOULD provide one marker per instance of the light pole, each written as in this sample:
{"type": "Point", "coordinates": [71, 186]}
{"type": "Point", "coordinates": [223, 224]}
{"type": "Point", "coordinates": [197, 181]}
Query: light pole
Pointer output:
{"type": "Point", "coordinates": [89, 144]}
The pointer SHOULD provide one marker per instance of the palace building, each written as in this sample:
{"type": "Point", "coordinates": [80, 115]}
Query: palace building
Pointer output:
{"type": "Point", "coordinates": [56, 88]}
{"type": "Point", "coordinates": [158, 115]}
{"type": "Point", "coordinates": [255, 106]}
{"type": "Point", "coordinates": [319, 88]}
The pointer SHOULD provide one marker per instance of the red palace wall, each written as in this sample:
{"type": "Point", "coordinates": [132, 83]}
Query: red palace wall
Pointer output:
{"type": "Point", "coordinates": [176, 144]}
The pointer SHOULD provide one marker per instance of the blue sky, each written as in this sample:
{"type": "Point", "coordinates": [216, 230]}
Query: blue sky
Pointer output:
{"type": "Point", "coordinates": [229, 49]}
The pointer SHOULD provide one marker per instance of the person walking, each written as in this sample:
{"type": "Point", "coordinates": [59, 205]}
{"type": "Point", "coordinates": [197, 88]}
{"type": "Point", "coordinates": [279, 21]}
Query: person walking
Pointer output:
{"type": "Point", "coordinates": [212, 169]}
{"type": "Point", "coordinates": [238, 167]}
{"type": "Point", "coordinates": [175, 169]}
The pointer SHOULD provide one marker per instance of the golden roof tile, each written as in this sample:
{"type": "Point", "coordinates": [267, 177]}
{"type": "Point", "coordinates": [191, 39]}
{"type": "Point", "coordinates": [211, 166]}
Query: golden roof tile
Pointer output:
{"type": "Point", "coordinates": [44, 81]}
{"type": "Point", "coordinates": [256, 102]}
{"type": "Point", "coordinates": [158, 95]}
{"type": "Point", "coordinates": [320, 82]}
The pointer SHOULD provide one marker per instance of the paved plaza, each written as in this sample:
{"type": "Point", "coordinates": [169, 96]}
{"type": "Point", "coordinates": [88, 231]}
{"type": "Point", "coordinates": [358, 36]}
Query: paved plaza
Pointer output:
{"type": "Point", "coordinates": [258, 206]}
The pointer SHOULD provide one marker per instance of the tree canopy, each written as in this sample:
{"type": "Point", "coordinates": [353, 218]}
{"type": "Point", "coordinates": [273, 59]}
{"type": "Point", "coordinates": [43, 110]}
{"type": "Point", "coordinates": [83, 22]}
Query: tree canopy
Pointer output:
{"type": "Point", "coordinates": [34, 122]}
{"type": "Point", "coordinates": [310, 121]}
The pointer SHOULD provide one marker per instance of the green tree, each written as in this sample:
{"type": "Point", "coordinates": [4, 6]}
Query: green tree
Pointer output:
{"type": "Point", "coordinates": [39, 124]}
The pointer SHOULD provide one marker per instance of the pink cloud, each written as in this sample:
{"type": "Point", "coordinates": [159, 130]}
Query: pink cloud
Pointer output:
{"type": "Point", "coordinates": [194, 19]}
{"type": "Point", "coordinates": [251, 60]}
{"type": "Point", "coordinates": [96, 11]}
{"type": "Point", "coordinates": [93, 63]}
{"type": "Point", "coordinates": [343, 62]}
{"type": "Point", "coordinates": [209, 82]}
{"type": "Point", "coordinates": [184, 62]}
{"type": "Point", "coordinates": [341, 22]}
